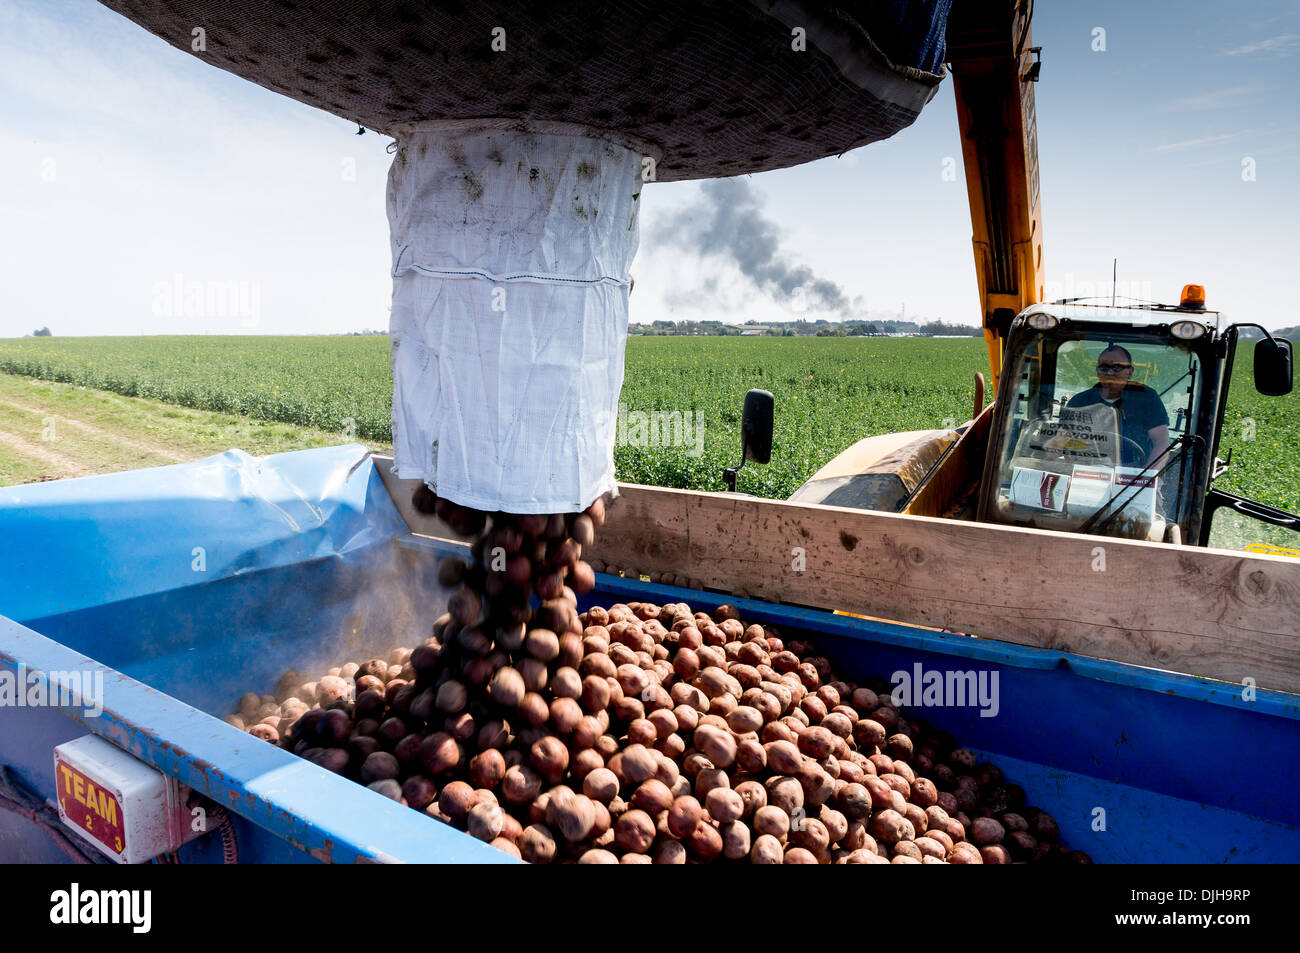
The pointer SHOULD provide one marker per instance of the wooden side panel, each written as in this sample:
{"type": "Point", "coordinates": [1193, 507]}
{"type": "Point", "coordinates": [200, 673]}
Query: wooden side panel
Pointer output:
{"type": "Point", "coordinates": [400, 491]}
{"type": "Point", "coordinates": [1216, 614]}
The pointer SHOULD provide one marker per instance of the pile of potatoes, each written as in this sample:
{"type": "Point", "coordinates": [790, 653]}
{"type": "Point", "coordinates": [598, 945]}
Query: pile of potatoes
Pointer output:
{"type": "Point", "coordinates": [641, 733]}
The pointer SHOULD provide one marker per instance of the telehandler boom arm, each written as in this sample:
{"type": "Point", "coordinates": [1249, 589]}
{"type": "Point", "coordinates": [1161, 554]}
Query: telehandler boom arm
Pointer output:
{"type": "Point", "coordinates": [994, 67]}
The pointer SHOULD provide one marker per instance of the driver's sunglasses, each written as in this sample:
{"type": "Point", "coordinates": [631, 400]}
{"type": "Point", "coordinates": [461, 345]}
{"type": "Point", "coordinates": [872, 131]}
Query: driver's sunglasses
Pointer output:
{"type": "Point", "coordinates": [1114, 368]}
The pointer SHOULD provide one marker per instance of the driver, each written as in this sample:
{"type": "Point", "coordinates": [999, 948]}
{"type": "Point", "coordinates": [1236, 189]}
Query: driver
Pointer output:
{"type": "Point", "coordinates": [1141, 413]}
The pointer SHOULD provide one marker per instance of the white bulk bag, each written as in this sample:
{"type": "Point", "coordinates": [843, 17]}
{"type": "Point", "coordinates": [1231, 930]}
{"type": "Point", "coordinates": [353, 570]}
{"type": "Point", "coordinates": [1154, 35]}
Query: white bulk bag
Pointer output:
{"type": "Point", "coordinates": [511, 257]}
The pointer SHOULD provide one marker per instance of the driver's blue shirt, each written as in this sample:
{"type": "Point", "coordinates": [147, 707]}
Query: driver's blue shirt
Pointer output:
{"type": "Point", "coordinates": [1139, 411]}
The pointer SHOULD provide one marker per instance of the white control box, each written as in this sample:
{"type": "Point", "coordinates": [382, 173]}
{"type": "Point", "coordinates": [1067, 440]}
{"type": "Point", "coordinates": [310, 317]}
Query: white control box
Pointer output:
{"type": "Point", "coordinates": [122, 806]}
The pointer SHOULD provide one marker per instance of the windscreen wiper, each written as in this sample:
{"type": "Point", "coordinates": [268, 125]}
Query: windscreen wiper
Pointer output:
{"type": "Point", "coordinates": [1180, 442]}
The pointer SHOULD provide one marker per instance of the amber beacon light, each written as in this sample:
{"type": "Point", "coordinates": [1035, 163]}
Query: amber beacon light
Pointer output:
{"type": "Point", "coordinates": [1193, 297]}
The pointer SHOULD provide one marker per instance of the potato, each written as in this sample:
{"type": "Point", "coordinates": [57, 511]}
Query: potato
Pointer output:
{"type": "Point", "coordinates": [455, 800]}
{"type": "Point", "coordinates": [814, 709]}
{"type": "Point", "coordinates": [704, 841]}
{"type": "Point", "coordinates": [766, 850]}
{"type": "Point", "coordinates": [783, 757]}
{"type": "Point", "coordinates": [799, 855]}
{"type": "Point", "coordinates": [388, 788]}
{"type": "Point", "coordinates": [907, 849]}
{"type": "Point", "coordinates": [785, 793]}
{"type": "Point", "coordinates": [582, 761]}
{"type": "Point", "coordinates": [635, 831]}
{"type": "Point", "coordinates": [265, 733]}
{"type": "Point", "coordinates": [595, 691]}
{"type": "Point", "coordinates": [664, 721]}
{"type": "Point", "coordinates": [537, 844]}
{"type": "Point", "coordinates": [857, 799]}
{"type": "Point", "coordinates": [716, 744]}
{"type": "Point", "coordinates": [419, 792]}
{"type": "Point", "coordinates": [438, 753]}
{"type": "Point", "coordinates": [1021, 844]}
{"type": "Point", "coordinates": [1043, 827]}
{"type": "Point", "coordinates": [744, 719]}
{"type": "Point", "coordinates": [891, 827]}
{"type": "Point", "coordinates": [683, 815]}
{"type": "Point", "coordinates": [916, 817]}
{"type": "Point", "coordinates": [667, 771]}
{"type": "Point", "coordinates": [638, 763]}
{"type": "Point", "coordinates": [572, 815]}
{"type": "Point", "coordinates": [452, 697]}
{"type": "Point", "coordinates": [898, 783]}
{"type": "Point", "coordinates": [985, 831]}
{"type": "Point", "coordinates": [641, 731]}
{"type": "Point", "coordinates": [837, 825]}
{"type": "Point", "coordinates": [965, 853]}
{"type": "Point", "coordinates": [899, 746]}
{"type": "Point", "coordinates": [565, 713]}
{"type": "Point", "coordinates": [1012, 822]}
{"type": "Point", "coordinates": [331, 689]}
{"type": "Point", "coordinates": [955, 829]}
{"type": "Point", "coordinates": [550, 757]}
{"type": "Point", "coordinates": [714, 681]}
{"type": "Point", "coordinates": [924, 793]}
{"type": "Point", "coordinates": [710, 778]}
{"type": "Point", "coordinates": [725, 805]}
{"type": "Point", "coordinates": [810, 833]}
{"type": "Point", "coordinates": [735, 840]}
{"type": "Point", "coordinates": [507, 688]}
{"type": "Point", "coordinates": [601, 784]}
{"type": "Point", "coordinates": [533, 709]}
{"type": "Point", "coordinates": [484, 821]}
{"type": "Point", "coordinates": [773, 822]}
{"type": "Point", "coordinates": [653, 797]}
{"type": "Point", "coordinates": [817, 785]}
{"type": "Point", "coordinates": [486, 770]}
{"type": "Point", "coordinates": [880, 791]}
{"type": "Point", "coordinates": [751, 756]}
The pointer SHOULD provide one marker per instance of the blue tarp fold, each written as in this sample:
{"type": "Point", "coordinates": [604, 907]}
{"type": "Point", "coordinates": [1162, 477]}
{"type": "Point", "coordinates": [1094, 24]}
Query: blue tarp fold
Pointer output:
{"type": "Point", "coordinates": [71, 544]}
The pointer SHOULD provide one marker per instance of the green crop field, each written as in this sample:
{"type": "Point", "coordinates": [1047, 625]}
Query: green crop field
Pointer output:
{"type": "Point", "coordinates": [830, 392]}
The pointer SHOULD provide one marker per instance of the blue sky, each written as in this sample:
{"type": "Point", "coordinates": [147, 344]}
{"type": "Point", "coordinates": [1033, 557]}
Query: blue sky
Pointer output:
{"type": "Point", "coordinates": [126, 165]}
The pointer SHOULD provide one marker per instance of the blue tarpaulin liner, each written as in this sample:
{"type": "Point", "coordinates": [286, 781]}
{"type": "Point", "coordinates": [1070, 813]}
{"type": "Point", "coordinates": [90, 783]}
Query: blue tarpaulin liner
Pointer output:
{"type": "Point", "coordinates": [71, 544]}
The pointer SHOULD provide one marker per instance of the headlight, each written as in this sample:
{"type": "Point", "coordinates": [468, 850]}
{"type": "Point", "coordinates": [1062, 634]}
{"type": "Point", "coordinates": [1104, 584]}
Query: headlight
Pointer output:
{"type": "Point", "coordinates": [1187, 330]}
{"type": "Point", "coordinates": [1042, 321]}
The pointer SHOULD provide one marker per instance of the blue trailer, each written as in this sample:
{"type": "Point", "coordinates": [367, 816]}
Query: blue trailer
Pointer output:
{"type": "Point", "coordinates": [138, 607]}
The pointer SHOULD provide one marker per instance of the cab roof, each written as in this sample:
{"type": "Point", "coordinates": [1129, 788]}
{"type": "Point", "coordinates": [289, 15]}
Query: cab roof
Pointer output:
{"type": "Point", "coordinates": [1146, 314]}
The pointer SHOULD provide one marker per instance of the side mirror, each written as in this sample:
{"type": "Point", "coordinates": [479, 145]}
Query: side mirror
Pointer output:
{"type": "Point", "coordinates": [1272, 368]}
{"type": "Point", "coordinates": [755, 433]}
{"type": "Point", "coordinates": [756, 425]}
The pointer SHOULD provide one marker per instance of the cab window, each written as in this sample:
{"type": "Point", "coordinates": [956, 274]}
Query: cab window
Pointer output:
{"type": "Point", "coordinates": [1099, 434]}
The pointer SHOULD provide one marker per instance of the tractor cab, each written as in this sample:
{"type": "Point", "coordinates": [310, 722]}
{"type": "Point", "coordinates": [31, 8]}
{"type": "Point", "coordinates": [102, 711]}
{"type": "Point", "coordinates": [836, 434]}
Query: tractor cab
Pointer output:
{"type": "Point", "coordinates": [1108, 419]}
